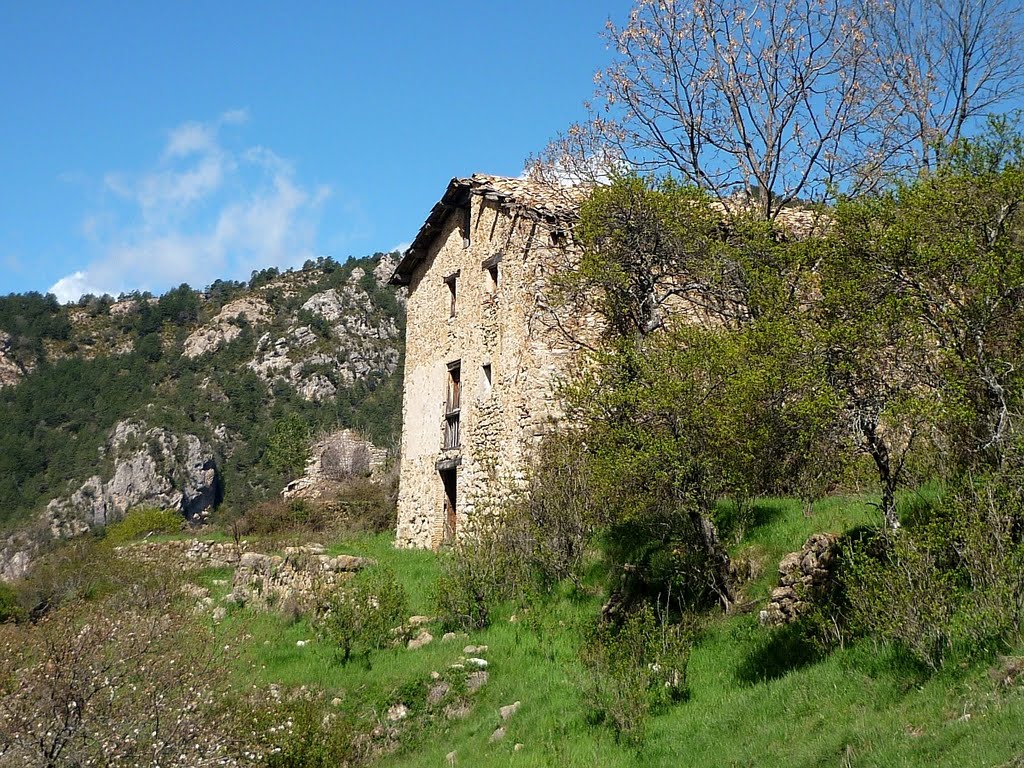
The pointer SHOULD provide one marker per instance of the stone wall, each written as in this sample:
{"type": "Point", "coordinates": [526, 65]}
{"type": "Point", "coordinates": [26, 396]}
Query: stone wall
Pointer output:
{"type": "Point", "coordinates": [261, 581]}
{"type": "Point", "coordinates": [266, 582]}
{"type": "Point", "coordinates": [508, 327]}
{"type": "Point", "coordinates": [185, 554]}
{"type": "Point", "coordinates": [805, 577]}
{"type": "Point", "coordinates": [335, 458]}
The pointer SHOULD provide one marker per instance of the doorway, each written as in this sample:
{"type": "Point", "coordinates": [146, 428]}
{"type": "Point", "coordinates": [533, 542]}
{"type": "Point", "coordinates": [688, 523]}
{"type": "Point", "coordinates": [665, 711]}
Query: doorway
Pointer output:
{"type": "Point", "coordinates": [450, 482]}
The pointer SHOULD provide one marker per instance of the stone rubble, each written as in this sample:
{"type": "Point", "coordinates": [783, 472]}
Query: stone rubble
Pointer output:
{"type": "Point", "coordinates": [804, 578]}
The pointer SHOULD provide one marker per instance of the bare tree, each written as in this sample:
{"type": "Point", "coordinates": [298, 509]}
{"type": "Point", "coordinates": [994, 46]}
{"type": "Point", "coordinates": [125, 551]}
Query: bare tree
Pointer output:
{"type": "Point", "coordinates": [774, 100]}
{"type": "Point", "coordinates": [944, 63]}
{"type": "Point", "coordinates": [767, 99]}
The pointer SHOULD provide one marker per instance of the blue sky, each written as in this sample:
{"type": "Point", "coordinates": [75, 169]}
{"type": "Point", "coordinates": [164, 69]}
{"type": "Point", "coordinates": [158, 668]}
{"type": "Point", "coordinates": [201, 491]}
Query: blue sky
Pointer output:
{"type": "Point", "coordinates": [147, 144]}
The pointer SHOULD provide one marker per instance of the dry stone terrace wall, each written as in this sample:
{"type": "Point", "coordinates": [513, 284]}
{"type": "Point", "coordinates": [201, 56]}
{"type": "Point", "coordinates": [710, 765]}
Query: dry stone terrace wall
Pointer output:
{"type": "Point", "coordinates": [505, 327]}
{"type": "Point", "coordinates": [261, 581]}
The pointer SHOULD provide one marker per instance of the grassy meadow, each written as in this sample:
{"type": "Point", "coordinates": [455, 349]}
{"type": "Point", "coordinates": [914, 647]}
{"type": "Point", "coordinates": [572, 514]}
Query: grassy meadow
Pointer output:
{"type": "Point", "coordinates": [757, 697]}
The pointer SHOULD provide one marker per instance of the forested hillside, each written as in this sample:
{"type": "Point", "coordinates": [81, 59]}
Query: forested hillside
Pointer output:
{"type": "Point", "coordinates": [251, 370]}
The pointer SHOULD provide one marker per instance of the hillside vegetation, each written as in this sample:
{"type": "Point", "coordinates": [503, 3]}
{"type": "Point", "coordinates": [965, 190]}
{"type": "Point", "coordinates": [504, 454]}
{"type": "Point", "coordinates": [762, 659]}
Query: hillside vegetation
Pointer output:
{"type": "Point", "coordinates": [234, 365]}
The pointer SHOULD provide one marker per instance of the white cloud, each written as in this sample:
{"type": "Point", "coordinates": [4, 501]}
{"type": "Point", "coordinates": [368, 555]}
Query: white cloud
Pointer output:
{"type": "Point", "coordinates": [401, 247]}
{"type": "Point", "coordinates": [74, 286]}
{"type": "Point", "coordinates": [204, 210]}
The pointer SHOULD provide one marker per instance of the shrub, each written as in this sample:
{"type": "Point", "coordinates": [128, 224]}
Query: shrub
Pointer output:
{"type": "Point", "coordinates": [360, 616]}
{"type": "Point", "coordinates": [11, 608]}
{"type": "Point", "coordinates": [476, 574]}
{"type": "Point", "coordinates": [279, 516]}
{"type": "Point", "coordinates": [635, 670]}
{"type": "Point", "coordinates": [142, 522]}
{"type": "Point", "coordinates": [951, 580]}
{"type": "Point", "coordinates": [125, 683]}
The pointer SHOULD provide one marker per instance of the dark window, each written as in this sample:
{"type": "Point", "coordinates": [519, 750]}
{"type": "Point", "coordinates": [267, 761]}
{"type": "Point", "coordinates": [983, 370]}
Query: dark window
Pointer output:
{"type": "Point", "coordinates": [452, 436]}
{"type": "Point", "coordinates": [486, 379]}
{"type": "Point", "coordinates": [452, 281]}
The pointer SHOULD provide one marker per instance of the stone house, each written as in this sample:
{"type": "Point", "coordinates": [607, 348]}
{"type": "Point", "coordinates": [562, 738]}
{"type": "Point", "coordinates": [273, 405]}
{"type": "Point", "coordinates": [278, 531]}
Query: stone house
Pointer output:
{"type": "Point", "coordinates": [484, 349]}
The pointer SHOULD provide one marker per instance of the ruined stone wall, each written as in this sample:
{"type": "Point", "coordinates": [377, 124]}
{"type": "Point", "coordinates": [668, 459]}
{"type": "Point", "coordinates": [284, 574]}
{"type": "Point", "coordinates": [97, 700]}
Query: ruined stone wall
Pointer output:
{"type": "Point", "coordinates": [508, 328]}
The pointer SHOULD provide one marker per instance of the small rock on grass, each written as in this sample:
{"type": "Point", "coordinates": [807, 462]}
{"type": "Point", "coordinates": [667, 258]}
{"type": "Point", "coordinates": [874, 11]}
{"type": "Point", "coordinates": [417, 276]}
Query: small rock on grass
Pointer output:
{"type": "Point", "coordinates": [507, 711]}
{"type": "Point", "coordinates": [498, 735]}
{"type": "Point", "coordinates": [398, 712]}
{"type": "Point", "coordinates": [437, 692]}
{"type": "Point", "coordinates": [476, 681]}
{"type": "Point", "coordinates": [423, 638]}
{"type": "Point", "coordinates": [474, 650]}
{"type": "Point", "coordinates": [450, 637]}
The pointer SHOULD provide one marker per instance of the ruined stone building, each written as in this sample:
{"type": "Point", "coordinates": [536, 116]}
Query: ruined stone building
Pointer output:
{"type": "Point", "coordinates": [485, 347]}
{"type": "Point", "coordinates": [482, 352]}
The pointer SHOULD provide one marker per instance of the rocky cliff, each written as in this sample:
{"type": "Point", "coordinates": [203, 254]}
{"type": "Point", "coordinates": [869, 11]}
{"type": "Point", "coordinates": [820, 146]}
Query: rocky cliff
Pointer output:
{"type": "Point", "coordinates": [152, 467]}
{"type": "Point", "coordinates": [178, 401]}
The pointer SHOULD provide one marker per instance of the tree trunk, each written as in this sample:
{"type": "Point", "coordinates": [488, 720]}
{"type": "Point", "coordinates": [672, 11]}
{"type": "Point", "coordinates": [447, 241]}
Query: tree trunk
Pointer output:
{"type": "Point", "coordinates": [879, 452]}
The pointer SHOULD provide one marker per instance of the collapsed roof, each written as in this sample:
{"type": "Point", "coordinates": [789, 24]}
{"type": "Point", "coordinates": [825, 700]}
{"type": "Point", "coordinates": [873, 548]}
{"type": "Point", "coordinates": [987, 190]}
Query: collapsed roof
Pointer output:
{"type": "Point", "coordinates": [530, 199]}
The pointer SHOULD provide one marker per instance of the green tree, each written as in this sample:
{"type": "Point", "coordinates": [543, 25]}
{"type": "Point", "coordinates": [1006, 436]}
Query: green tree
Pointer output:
{"type": "Point", "coordinates": [288, 446]}
{"type": "Point", "coordinates": [707, 383]}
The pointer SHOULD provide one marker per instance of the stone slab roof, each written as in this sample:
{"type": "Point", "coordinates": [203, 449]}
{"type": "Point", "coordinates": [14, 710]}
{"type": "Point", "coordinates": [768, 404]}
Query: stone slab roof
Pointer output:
{"type": "Point", "coordinates": [530, 199]}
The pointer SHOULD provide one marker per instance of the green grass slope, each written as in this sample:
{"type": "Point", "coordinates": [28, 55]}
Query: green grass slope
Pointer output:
{"type": "Point", "coordinates": [757, 697]}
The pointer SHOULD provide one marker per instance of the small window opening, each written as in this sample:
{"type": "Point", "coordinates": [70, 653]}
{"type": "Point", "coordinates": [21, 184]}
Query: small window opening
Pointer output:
{"type": "Point", "coordinates": [464, 227]}
{"type": "Point", "coordinates": [452, 433]}
{"type": "Point", "coordinates": [490, 266]}
{"type": "Point", "coordinates": [452, 281]}
{"type": "Point", "coordinates": [558, 238]}
{"type": "Point", "coordinates": [486, 380]}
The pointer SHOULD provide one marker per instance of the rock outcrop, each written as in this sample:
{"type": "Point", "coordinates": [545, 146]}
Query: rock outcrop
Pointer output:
{"type": "Point", "coordinates": [10, 371]}
{"type": "Point", "coordinates": [226, 327]}
{"type": "Point", "coordinates": [348, 345]}
{"type": "Point", "coordinates": [804, 578]}
{"type": "Point", "coordinates": [151, 467]}
{"type": "Point", "coordinates": [336, 458]}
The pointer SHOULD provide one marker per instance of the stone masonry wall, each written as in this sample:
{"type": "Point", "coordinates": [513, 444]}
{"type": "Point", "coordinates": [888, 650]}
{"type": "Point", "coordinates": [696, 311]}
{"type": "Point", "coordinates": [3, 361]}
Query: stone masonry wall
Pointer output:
{"type": "Point", "coordinates": [261, 581]}
{"type": "Point", "coordinates": [508, 328]}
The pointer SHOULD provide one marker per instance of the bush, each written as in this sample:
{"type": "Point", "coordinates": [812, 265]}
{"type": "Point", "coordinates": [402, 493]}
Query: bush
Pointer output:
{"type": "Point", "coordinates": [143, 522]}
{"type": "Point", "coordinates": [635, 670]}
{"type": "Point", "coordinates": [128, 682]}
{"type": "Point", "coordinates": [11, 608]}
{"type": "Point", "coordinates": [279, 516]}
{"type": "Point", "coordinates": [951, 580]}
{"type": "Point", "coordinates": [362, 614]}
{"type": "Point", "coordinates": [479, 572]}
{"type": "Point", "coordinates": [367, 506]}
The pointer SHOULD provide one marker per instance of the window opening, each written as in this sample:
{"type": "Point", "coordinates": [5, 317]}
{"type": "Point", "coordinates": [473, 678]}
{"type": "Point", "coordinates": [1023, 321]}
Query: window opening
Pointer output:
{"type": "Point", "coordinates": [486, 379]}
{"type": "Point", "coordinates": [464, 226]}
{"type": "Point", "coordinates": [452, 281]}
{"type": "Point", "coordinates": [490, 266]}
{"type": "Point", "coordinates": [452, 436]}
